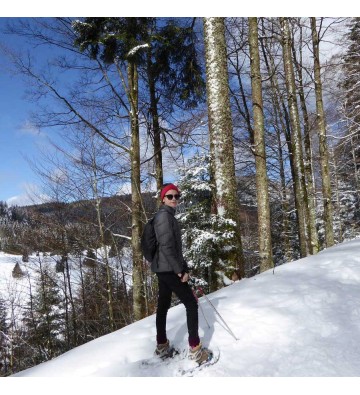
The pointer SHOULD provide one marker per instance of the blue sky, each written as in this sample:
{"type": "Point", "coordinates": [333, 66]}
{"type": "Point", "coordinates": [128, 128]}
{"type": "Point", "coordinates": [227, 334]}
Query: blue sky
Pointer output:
{"type": "Point", "coordinates": [19, 140]}
{"type": "Point", "coordinates": [17, 137]}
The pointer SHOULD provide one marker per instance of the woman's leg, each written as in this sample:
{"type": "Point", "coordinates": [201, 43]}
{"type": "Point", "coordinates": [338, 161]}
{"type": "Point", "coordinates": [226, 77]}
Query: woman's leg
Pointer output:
{"type": "Point", "coordinates": [170, 282]}
{"type": "Point", "coordinates": [163, 305]}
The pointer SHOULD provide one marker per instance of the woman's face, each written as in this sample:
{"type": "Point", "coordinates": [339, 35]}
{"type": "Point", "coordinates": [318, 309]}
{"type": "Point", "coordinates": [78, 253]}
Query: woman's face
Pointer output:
{"type": "Point", "coordinates": [173, 202]}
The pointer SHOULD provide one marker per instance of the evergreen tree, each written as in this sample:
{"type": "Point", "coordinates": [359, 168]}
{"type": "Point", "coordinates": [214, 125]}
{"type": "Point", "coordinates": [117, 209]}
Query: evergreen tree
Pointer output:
{"type": "Point", "coordinates": [207, 237]}
{"type": "Point", "coordinates": [44, 318]}
{"type": "Point", "coordinates": [4, 339]}
{"type": "Point", "coordinates": [349, 149]}
{"type": "Point", "coordinates": [17, 271]}
{"type": "Point", "coordinates": [4, 213]}
{"type": "Point", "coordinates": [92, 302]}
{"type": "Point", "coordinates": [346, 154]}
{"type": "Point", "coordinates": [174, 77]}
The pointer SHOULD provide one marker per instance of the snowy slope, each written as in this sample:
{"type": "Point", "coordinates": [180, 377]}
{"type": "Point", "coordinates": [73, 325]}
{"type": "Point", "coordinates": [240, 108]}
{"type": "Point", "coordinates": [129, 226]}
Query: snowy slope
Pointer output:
{"type": "Point", "coordinates": [303, 320]}
{"type": "Point", "coordinates": [7, 264]}
{"type": "Point", "coordinates": [19, 288]}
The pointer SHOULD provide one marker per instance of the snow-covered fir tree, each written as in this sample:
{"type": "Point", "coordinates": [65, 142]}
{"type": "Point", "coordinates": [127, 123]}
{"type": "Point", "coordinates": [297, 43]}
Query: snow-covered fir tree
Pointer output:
{"type": "Point", "coordinates": [346, 213]}
{"type": "Point", "coordinates": [346, 155]}
{"type": "Point", "coordinates": [350, 84]}
{"type": "Point", "coordinates": [205, 235]}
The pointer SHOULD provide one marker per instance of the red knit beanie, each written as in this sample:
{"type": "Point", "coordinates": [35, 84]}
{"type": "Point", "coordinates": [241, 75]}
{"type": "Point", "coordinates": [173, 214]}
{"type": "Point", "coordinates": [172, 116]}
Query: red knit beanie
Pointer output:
{"type": "Point", "coordinates": [168, 188]}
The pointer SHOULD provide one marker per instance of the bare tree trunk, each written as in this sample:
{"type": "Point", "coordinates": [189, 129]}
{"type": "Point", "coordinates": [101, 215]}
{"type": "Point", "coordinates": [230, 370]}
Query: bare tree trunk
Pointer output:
{"type": "Point", "coordinates": [109, 289]}
{"type": "Point", "coordinates": [337, 194]}
{"type": "Point", "coordinates": [127, 314]}
{"type": "Point", "coordinates": [300, 189]}
{"type": "Point", "coordinates": [323, 148]}
{"type": "Point", "coordinates": [84, 315]}
{"type": "Point", "coordinates": [95, 190]}
{"type": "Point", "coordinates": [276, 99]}
{"type": "Point", "coordinates": [308, 168]}
{"type": "Point", "coordinates": [221, 135]}
{"type": "Point", "coordinates": [265, 246]}
{"type": "Point", "coordinates": [138, 283]}
{"type": "Point", "coordinates": [72, 303]}
{"type": "Point", "coordinates": [155, 126]}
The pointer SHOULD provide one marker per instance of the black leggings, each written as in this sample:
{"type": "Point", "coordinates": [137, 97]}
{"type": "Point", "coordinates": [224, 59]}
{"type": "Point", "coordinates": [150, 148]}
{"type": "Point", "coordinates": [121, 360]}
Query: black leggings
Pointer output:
{"type": "Point", "coordinates": [168, 283]}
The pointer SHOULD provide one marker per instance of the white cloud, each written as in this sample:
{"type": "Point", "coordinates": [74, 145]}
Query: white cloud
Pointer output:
{"type": "Point", "coordinates": [19, 200]}
{"type": "Point", "coordinates": [28, 128]}
{"type": "Point", "coordinates": [31, 195]}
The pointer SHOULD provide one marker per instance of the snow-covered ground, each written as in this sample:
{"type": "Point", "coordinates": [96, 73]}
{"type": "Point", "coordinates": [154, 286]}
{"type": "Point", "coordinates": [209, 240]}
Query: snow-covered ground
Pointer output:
{"type": "Point", "coordinates": [19, 288]}
{"type": "Point", "coordinates": [7, 264]}
{"type": "Point", "coordinates": [301, 321]}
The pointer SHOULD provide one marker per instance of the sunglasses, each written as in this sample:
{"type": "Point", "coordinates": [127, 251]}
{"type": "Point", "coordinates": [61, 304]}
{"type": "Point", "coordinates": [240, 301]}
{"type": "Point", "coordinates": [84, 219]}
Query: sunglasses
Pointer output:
{"type": "Point", "coordinates": [171, 197]}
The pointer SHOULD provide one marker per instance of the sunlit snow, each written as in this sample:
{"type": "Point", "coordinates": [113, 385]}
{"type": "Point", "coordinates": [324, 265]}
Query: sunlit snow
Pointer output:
{"type": "Point", "coordinates": [302, 320]}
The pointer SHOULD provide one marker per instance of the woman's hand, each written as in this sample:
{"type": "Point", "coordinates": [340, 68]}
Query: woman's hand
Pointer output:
{"type": "Point", "coordinates": [184, 277]}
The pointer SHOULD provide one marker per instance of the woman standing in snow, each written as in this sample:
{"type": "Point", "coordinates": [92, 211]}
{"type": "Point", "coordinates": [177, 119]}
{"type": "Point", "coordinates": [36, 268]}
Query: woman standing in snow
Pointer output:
{"type": "Point", "coordinates": [172, 273]}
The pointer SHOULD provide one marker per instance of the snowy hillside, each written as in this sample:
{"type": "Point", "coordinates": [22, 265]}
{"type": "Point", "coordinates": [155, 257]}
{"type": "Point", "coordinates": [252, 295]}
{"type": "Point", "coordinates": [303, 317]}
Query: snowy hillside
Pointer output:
{"type": "Point", "coordinates": [303, 320]}
{"type": "Point", "coordinates": [19, 288]}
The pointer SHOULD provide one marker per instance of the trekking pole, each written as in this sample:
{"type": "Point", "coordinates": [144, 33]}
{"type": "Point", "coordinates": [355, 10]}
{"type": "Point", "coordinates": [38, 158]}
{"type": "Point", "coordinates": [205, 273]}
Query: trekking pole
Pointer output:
{"type": "Point", "coordinates": [227, 326]}
{"type": "Point", "coordinates": [202, 311]}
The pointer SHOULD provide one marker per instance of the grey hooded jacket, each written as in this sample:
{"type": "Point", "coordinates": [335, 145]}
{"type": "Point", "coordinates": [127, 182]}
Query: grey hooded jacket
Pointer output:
{"type": "Point", "coordinates": [168, 257]}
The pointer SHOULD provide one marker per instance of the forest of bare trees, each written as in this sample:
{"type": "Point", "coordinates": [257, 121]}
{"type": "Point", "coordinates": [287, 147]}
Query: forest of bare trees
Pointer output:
{"type": "Point", "coordinates": [255, 118]}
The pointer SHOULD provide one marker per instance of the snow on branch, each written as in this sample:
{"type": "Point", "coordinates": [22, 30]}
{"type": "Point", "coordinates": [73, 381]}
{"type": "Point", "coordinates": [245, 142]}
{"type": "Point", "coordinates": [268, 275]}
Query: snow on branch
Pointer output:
{"type": "Point", "coordinates": [133, 51]}
{"type": "Point", "coordinates": [123, 236]}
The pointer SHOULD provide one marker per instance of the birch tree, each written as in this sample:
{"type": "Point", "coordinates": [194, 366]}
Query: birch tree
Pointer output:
{"type": "Point", "coordinates": [265, 247]}
{"type": "Point", "coordinates": [221, 137]}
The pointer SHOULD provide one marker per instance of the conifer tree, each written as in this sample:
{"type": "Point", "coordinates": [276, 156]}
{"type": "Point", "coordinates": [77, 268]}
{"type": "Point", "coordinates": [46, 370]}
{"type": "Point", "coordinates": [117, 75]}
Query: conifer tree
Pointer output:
{"type": "Point", "coordinates": [346, 153]}
{"type": "Point", "coordinates": [44, 318]}
{"type": "Point", "coordinates": [351, 105]}
{"type": "Point", "coordinates": [174, 76]}
{"type": "Point", "coordinates": [204, 233]}
{"type": "Point", "coordinates": [4, 339]}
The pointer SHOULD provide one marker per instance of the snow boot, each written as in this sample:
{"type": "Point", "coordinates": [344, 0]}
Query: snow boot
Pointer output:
{"type": "Point", "coordinates": [164, 350]}
{"type": "Point", "coordinates": [200, 354]}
